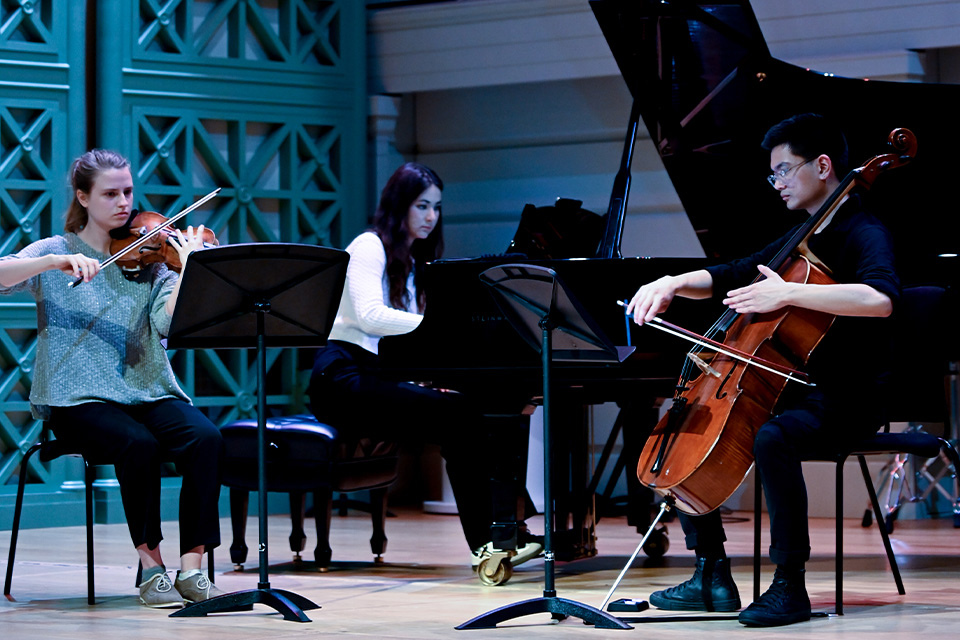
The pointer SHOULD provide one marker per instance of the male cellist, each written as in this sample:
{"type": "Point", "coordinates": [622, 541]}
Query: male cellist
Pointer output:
{"type": "Point", "coordinates": [808, 155]}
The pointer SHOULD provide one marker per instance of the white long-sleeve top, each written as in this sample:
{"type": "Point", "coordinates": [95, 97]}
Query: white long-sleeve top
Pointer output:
{"type": "Point", "coordinates": [365, 314]}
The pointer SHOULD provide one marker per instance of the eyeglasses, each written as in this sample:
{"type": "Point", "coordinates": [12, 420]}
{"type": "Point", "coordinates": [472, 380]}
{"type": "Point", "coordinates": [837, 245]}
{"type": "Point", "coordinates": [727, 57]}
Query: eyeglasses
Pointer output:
{"type": "Point", "coordinates": [782, 174]}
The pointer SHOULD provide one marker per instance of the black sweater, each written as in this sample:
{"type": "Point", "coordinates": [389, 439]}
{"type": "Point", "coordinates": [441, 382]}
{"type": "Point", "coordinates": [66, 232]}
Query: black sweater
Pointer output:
{"type": "Point", "coordinates": [853, 356]}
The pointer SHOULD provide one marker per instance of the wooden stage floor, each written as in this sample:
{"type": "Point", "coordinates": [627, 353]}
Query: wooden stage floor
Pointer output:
{"type": "Point", "coordinates": [425, 588]}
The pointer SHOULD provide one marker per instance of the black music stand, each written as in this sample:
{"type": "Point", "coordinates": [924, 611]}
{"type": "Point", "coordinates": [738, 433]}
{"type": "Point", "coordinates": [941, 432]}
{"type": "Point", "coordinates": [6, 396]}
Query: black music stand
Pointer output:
{"type": "Point", "coordinates": [247, 296]}
{"type": "Point", "coordinates": [552, 321]}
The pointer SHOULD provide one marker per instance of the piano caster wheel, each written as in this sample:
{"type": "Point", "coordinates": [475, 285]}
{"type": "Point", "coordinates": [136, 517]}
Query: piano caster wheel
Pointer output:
{"type": "Point", "coordinates": [378, 560]}
{"type": "Point", "coordinates": [657, 544]}
{"type": "Point", "coordinates": [297, 560]}
{"type": "Point", "coordinates": [238, 567]}
{"type": "Point", "coordinates": [495, 570]}
{"type": "Point", "coordinates": [323, 569]}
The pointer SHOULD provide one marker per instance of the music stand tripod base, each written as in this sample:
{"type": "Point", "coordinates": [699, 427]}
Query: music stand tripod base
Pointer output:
{"type": "Point", "coordinates": [558, 608]}
{"type": "Point", "coordinates": [290, 605]}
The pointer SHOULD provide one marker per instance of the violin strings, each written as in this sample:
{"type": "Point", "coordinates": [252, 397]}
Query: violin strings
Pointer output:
{"type": "Point", "coordinates": [160, 227]}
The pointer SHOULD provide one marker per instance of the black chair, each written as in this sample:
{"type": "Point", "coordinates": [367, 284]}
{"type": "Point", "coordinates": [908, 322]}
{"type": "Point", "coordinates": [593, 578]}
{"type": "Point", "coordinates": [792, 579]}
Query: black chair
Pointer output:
{"type": "Point", "coordinates": [49, 450]}
{"type": "Point", "coordinates": [921, 353]}
{"type": "Point", "coordinates": [304, 455]}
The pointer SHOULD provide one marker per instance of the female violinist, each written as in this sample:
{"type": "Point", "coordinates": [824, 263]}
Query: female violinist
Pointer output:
{"type": "Point", "coordinates": [103, 379]}
{"type": "Point", "coordinates": [807, 158]}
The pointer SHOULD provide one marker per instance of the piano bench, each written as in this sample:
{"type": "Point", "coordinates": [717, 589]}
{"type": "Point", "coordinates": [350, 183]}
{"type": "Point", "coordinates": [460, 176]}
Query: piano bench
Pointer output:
{"type": "Point", "coordinates": [304, 454]}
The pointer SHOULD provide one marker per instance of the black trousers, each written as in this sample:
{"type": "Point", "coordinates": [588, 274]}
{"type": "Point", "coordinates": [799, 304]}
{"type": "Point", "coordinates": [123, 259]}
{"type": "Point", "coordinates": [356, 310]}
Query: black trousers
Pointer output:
{"type": "Point", "coordinates": [137, 440]}
{"type": "Point", "coordinates": [346, 392]}
{"type": "Point", "coordinates": [812, 428]}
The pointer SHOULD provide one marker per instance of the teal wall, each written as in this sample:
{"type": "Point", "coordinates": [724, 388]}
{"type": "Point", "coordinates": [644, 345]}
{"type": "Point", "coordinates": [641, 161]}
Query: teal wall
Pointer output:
{"type": "Point", "coordinates": [265, 99]}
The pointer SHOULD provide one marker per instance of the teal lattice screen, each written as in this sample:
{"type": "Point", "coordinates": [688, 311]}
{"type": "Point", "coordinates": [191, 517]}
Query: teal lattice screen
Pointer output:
{"type": "Point", "coordinates": [263, 98]}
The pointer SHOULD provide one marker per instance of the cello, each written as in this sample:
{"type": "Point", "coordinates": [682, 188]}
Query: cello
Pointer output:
{"type": "Point", "coordinates": [702, 449]}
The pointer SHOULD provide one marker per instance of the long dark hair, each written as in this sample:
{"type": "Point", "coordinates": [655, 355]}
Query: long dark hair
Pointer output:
{"type": "Point", "coordinates": [83, 174]}
{"type": "Point", "coordinates": [390, 223]}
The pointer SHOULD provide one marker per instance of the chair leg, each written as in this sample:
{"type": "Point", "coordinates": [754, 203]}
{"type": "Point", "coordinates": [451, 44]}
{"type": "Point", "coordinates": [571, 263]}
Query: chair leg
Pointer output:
{"type": "Point", "coordinates": [891, 558]}
{"type": "Point", "coordinates": [378, 514]}
{"type": "Point", "coordinates": [757, 497]}
{"type": "Point", "coordinates": [839, 536]}
{"type": "Point", "coordinates": [323, 512]}
{"type": "Point", "coordinates": [239, 502]}
{"type": "Point", "coordinates": [298, 537]}
{"type": "Point", "coordinates": [17, 510]}
{"type": "Point", "coordinates": [88, 489]}
{"type": "Point", "coordinates": [950, 451]}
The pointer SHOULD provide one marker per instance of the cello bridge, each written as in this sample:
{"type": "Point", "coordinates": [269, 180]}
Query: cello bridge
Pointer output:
{"type": "Point", "coordinates": [703, 365]}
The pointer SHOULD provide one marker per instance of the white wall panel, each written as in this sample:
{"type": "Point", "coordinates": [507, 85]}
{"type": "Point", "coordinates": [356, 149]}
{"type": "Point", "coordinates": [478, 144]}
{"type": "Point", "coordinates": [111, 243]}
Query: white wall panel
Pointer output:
{"type": "Point", "coordinates": [796, 30]}
{"type": "Point", "coordinates": [500, 148]}
{"type": "Point", "coordinates": [485, 42]}
{"type": "Point", "coordinates": [521, 102]}
{"type": "Point", "coordinates": [494, 42]}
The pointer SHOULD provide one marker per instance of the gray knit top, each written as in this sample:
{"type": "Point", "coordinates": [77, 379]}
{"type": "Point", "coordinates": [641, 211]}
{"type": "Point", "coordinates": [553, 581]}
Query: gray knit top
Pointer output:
{"type": "Point", "coordinates": [99, 341]}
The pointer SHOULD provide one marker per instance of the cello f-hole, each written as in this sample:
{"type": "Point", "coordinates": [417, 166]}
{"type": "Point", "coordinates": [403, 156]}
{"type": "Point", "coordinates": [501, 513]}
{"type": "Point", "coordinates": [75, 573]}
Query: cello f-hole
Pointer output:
{"type": "Point", "coordinates": [720, 388]}
{"type": "Point", "coordinates": [672, 421]}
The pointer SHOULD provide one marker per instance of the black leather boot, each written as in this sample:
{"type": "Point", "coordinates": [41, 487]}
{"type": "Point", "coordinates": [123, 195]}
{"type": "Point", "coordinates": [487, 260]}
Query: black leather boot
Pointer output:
{"type": "Point", "coordinates": [710, 589]}
{"type": "Point", "coordinates": [785, 602]}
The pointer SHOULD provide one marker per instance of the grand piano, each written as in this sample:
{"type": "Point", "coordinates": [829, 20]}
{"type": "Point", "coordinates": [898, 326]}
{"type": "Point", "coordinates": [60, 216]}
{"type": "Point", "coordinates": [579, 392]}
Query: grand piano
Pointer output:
{"type": "Point", "coordinates": [707, 89]}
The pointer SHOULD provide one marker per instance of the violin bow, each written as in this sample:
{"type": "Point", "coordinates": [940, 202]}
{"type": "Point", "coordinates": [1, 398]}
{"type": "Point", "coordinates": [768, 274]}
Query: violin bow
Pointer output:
{"type": "Point", "coordinates": [154, 232]}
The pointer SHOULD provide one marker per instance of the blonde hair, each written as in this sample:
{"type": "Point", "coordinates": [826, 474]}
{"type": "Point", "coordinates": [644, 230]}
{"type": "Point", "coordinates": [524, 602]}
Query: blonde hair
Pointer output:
{"type": "Point", "coordinates": [83, 174]}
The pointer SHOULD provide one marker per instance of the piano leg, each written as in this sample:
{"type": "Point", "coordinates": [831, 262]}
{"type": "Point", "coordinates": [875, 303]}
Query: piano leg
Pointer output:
{"type": "Point", "coordinates": [640, 499]}
{"type": "Point", "coordinates": [576, 491]}
{"type": "Point", "coordinates": [639, 422]}
{"type": "Point", "coordinates": [575, 511]}
{"type": "Point", "coordinates": [508, 478]}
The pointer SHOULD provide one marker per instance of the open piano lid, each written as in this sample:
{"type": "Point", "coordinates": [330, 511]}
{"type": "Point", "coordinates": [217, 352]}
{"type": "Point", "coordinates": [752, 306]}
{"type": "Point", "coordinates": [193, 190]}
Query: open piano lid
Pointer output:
{"type": "Point", "coordinates": [708, 89]}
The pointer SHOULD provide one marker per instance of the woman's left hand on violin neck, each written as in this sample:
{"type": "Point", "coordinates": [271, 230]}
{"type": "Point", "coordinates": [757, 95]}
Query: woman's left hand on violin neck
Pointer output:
{"type": "Point", "coordinates": [186, 242]}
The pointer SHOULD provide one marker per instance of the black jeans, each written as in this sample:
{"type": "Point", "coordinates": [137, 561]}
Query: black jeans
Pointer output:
{"type": "Point", "coordinates": [812, 428]}
{"type": "Point", "coordinates": [137, 440]}
{"type": "Point", "coordinates": [346, 393]}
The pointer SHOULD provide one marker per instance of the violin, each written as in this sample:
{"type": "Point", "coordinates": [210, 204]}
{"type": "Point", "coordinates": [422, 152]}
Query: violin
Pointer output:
{"type": "Point", "coordinates": [145, 239]}
{"type": "Point", "coordinates": [140, 225]}
{"type": "Point", "coordinates": [702, 449]}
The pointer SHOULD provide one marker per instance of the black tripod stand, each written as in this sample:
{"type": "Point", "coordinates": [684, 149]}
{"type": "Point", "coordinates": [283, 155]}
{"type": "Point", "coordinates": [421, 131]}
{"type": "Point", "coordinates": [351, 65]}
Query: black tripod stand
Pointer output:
{"type": "Point", "coordinates": [550, 319]}
{"type": "Point", "coordinates": [247, 296]}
